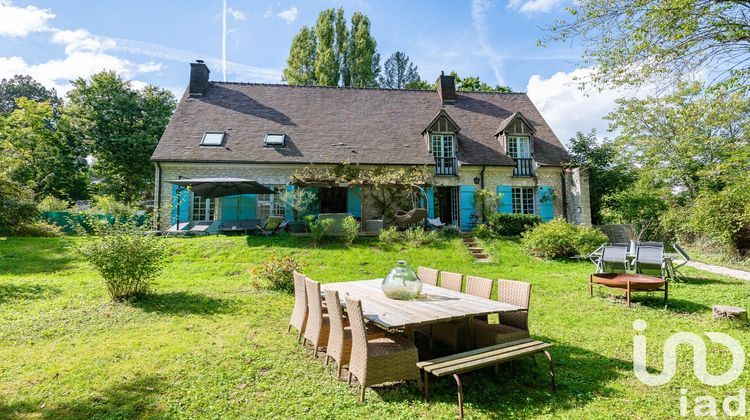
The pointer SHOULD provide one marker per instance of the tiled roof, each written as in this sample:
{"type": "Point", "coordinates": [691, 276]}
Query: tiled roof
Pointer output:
{"type": "Point", "coordinates": [331, 125]}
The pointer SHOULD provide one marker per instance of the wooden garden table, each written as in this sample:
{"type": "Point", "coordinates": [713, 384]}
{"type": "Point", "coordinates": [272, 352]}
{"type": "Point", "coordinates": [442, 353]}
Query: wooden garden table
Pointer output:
{"type": "Point", "coordinates": [434, 305]}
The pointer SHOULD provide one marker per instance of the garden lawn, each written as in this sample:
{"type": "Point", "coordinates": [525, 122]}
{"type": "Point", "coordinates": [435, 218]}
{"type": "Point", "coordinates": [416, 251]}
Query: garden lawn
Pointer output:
{"type": "Point", "coordinates": [208, 344]}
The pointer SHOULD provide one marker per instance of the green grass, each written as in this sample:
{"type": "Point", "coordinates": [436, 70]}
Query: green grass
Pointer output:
{"type": "Point", "coordinates": [207, 344]}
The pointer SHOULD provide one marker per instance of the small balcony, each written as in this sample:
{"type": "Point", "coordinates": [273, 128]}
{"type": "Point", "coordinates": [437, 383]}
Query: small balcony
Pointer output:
{"type": "Point", "coordinates": [524, 167]}
{"type": "Point", "coordinates": [445, 166]}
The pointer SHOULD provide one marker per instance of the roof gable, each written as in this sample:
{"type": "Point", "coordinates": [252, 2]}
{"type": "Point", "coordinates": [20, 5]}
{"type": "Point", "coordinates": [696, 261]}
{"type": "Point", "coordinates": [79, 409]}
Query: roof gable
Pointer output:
{"type": "Point", "coordinates": [442, 122]}
{"type": "Point", "coordinates": [515, 124]}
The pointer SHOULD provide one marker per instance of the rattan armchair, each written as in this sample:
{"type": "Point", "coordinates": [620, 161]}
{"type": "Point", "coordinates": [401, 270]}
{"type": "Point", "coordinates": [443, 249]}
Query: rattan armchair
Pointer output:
{"type": "Point", "coordinates": [299, 313]}
{"type": "Point", "coordinates": [451, 281]}
{"type": "Point", "coordinates": [454, 334]}
{"type": "Point", "coordinates": [513, 325]}
{"type": "Point", "coordinates": [428, 275]}
{"type": "Point", "coordinates": [318, 324]}
{"type": "Point", "coordinates": [381, 360]}
{"type": "Point", "coordinates": [340, 338]}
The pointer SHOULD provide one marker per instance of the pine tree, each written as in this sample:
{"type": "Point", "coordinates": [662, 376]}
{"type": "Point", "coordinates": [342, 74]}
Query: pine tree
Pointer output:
{"type": "Point", "coordinates": [364, 60]}
{"type": "Point", "coordinates": [398, 72]}
{"type": "Point", "coordinates": [342, 47]}
{"type": "Point", "coordinates": [300, 66]}
{"type": "Point", "coordinates": [326, 56]}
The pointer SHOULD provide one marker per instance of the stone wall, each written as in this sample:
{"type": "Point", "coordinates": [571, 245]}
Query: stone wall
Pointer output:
{"type": "Point", "coordinates": [276, 174]}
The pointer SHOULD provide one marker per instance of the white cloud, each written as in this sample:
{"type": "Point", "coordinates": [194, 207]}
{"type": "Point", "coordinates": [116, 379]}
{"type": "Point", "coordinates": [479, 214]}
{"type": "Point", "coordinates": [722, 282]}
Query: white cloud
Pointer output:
{"type": "Point", "coordinates": [237, 14]}
{"type": "Point", "coordinates": [289, 15]}
{"type": "Point", "coordinates": [268, 13]}
{"type": "Point", "coordinates": [479, 9]}
{"type": "Point", "coordinates": [534, 6]}
{"type": "Point", "coordinates": [567, 108]}
{"type": "Point", "coordinates": [18, 22]}
{"type": "Point", "coordinates": [85, 54]}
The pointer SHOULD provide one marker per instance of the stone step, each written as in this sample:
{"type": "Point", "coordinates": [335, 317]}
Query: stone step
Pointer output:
{"type": "Point", "coordinates": [476, 249]}
{"type": "Point", "coordinates": [482, 260]}
{"type": "Point", "coordinates": [481, 256]}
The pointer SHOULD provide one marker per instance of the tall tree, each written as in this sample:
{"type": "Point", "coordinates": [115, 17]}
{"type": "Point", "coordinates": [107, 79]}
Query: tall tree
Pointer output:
{"type": "Point", "coordinates": [342, 47]}
{"type": "Point", "coordinates": [364, 60]}
{"type": "Point", "coordinates": [398, 71]}
{"type": "Point", "coordinates": [300, 66]}
{"type": "Point", "coordinates": [663, 41]}
{"type": "Point", "coordinates": [45, 156]}
{"type": "Point", "coordinates": [122, 126]}
{"type": "Point", "coordinates": [326, 56]}
{"type": "Point", "coordinates": [607, 173]}
{"type": "Point", "coordinates": [20, 86]}
{"type": "Point", "coordinates": [688, 140]}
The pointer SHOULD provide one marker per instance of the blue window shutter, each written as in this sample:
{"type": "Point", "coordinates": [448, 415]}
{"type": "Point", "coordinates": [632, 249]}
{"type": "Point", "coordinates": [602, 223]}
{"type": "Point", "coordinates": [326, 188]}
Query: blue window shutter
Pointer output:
{"type": "Point", "coordinates": [288, 212]}
{"type": "Point", "coordinates": [467, 207]}
{"type": "Point", "coordinates": [248, 206]}
{"type": "Point", "coordinates": [430, 203]}
{"type": "Point", "coordinates": [183, 202]}
{"type": "Point", "coordinates": [353, 201]}
{"type": "Point", "coordinates": [546, 203]}
{"type": "Point", "coordinates": [506, 198]}
{"type": "Point", "coordinates": [229, 208]}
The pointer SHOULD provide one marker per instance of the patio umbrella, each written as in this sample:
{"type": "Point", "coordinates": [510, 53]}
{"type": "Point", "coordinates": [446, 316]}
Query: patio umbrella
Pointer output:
{"type": "Point", "coordinates": [221, 187]}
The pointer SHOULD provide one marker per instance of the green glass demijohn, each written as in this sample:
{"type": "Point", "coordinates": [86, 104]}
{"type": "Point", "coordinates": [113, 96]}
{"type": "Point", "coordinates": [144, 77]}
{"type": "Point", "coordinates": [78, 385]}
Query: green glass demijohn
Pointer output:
{"type": "Point", "coordinates": [402, 283]}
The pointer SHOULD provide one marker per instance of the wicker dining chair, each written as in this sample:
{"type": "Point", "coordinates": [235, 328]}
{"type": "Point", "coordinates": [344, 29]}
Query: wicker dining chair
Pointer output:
{"type": "Point", "coordinates": [381, 360]}
{"type": "Point", "coordinates": [450, 280]}
{"type": "Point", "coordinates": [299, 313]}
{"type": "Point", "coordinates": [453, 333]}
{"type": "Point", "coordinates": [513, 325]}
{"type": "Point", "coordinates": [340, 338]}
{"type": "Point", "coordinates": [428, 275]}
{"type": "Point", "coordinates": [318, 323]}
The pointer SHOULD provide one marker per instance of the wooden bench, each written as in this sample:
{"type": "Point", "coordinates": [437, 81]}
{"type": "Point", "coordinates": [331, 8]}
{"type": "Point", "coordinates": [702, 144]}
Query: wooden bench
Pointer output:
{"type": "Point", "coordinates": [481, 358]}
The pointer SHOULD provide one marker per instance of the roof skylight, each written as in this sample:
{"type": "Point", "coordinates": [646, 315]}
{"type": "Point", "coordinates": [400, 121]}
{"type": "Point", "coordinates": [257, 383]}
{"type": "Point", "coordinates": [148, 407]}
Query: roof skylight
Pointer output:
{"type": "Point", "coordinates": [274, 140]}
{"type": "Point", "coordinates": [212, 138]}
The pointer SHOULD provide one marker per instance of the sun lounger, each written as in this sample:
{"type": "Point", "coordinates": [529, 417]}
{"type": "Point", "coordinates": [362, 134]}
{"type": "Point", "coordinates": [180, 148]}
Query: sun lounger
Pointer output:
{"type": "Point", "coordinates": [613, 257]}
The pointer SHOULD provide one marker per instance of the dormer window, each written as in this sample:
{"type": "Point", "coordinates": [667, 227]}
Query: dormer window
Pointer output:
{"type": "Point", "coordinates": [441, 135]}
{"type": "Point", "coordinates": [518, 147]}
{"type": "Point", "coordinates": [274, 140]}
{"type": "Point", "coordinates": [212, 138]}
{"type": "Point", "coordinates": [516, 135]}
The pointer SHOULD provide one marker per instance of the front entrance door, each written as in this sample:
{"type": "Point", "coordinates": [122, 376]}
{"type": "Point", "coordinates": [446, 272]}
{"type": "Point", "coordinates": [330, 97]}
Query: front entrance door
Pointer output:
{"type": "Point", "coordinates": [446, 204]}
{"type": "Point", "coordinates": [333, 200]}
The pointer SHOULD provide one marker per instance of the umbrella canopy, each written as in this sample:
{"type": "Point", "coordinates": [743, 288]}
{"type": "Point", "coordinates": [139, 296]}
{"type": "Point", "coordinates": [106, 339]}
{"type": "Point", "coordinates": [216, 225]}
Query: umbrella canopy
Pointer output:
{"type": "Point", "coordinates": [222, 187]}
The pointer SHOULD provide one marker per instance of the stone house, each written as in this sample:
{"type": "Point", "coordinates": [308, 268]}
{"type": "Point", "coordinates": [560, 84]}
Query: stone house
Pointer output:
{"type": "Point", "coordinates": [268, 132]}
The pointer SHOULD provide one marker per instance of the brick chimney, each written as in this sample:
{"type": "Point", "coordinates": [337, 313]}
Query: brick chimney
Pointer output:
{"type": "Point", "coordinates": [446, 87]}
{"type": "Point", "coordinates": [198, 78]}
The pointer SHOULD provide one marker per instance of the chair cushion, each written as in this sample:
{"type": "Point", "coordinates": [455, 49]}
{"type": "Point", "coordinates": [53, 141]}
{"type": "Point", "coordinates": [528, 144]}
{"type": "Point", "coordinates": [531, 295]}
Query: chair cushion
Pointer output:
{"type": "Point", "coordinates": [388, 345]}
{"type": "Point", "coordinates": [486, 334]}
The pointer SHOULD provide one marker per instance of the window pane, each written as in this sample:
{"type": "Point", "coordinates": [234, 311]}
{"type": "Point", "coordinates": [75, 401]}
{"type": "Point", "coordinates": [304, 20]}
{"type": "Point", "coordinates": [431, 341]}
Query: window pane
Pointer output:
{"type": "Point", "coordinates": [212, 139]}
{"type": "Point", "coordinates": [437, 146]}
{"type": "Point", "coordinates": [448, 146]}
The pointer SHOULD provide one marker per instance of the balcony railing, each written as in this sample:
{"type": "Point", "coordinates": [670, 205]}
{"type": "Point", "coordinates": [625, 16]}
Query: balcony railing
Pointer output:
{"type": "Point", "coordinates": [445, 166]}
{"type": "Point", "coordinates": [524, 167]}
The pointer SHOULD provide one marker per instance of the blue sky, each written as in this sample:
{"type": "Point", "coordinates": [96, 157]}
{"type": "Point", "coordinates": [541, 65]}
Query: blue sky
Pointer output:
{"type": "Point", "coordinates": [153, 41]}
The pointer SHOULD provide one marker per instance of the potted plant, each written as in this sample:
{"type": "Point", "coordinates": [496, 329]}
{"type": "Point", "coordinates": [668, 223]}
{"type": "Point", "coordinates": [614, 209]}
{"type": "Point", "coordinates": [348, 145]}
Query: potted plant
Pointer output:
{"type": "Point", "coordinates": [299, 200]}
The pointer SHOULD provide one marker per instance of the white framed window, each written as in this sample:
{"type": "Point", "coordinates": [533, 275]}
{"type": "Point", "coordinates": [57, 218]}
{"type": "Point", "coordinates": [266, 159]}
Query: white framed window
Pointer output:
{"type": "Point", "coordinates": [523, 200]}
{"type": "Point", "coordinates": [443, 146]}
{"type": "Point", "coordinates": [212, 138]}
{"type": "Point", "coordinates": [270, 205]}
{"type": "Point", "coordinates": [518, 147]}
{"type": "Point", "coordinates": [274, 140]}
{"type": "Point", "coordinates": [202, 209]}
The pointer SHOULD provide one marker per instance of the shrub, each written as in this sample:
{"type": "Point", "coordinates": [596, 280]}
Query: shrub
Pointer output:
{"type": "Point", "coordinates": [554, 239]}
{"type": "Point", "coordinates": [39, 229]}
{"type": "Point", "coordinates": [485, 203]}
{"type": "Point", "coordinates": [588, 239]}
{"type": "Point", "coordinates": [417, 236]}
{"type": "Point", "coordinates": [389, 236]}
{"type": "Point", "coordinates": [318, 228]}
{"type": "Point", "coordinates": [50, 203]}
{"type": "Point", "coordinates": [483, 231]}
{"type": "Point", "coordinates": [350, 228]}
{"type": "Point", "coordinates": [511, 224]}
{"type": "Point", "coordinates": [558, 238]}
{"type": "Point", "coordinates": [127, 260]}
{"type": "Point", "coordinates": [102, 204]}
{"type": "Point", "coordinates": [448, 232]}
{"type": "Point", "coordinates": [277, 272]}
